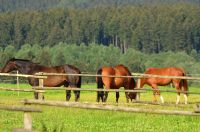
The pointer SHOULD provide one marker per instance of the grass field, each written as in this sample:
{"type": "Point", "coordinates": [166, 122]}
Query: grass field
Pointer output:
{"type": "Point", "coordinates": [57, 119]}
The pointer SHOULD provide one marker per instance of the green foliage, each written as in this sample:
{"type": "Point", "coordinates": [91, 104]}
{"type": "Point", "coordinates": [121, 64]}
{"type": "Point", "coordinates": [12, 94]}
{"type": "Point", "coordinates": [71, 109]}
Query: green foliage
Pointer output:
{"type": "Point", "coordinates": [25, 52]}
{"type": "Point", "coordinates": [149, 29]}
{"type": "Point", "coordinates": [13, 5]}
{"type": "Point", "coordinates": [90, 58]}
{"type": "Point", "coordinates": [135, 60]}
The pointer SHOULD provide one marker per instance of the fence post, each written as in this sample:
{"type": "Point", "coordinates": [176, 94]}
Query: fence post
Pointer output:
{"type": "Point", "coordinates": [40, 92]}
{"type": "Point", "coordinates": [27, 121]}
{"type": "Point", "coordinates": [18, 81]}
{"type": "Point", "coordinates": [138, 86]}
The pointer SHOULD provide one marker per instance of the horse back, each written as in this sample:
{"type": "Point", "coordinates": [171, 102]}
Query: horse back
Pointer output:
{"type": "Point", "coordinates": [73, 80]}
{"type": "Point", "coordinates": [121, 70]}
{"type": "Point", "coordinates": [169, 71]}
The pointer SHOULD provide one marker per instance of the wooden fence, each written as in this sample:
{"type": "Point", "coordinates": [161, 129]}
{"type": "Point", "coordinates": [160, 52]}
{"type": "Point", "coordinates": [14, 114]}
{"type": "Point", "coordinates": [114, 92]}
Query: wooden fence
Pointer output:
{"type": "Point", "coordinates": [22, 75]}
{"type": "Point", "coordinates": [136, 75]}
{"type": "Point", "coordinates": [27, 116]}
{"type": "Point", "coordinates": [40, 89]}
{"type": "Point", "coordinates": [110, 107]}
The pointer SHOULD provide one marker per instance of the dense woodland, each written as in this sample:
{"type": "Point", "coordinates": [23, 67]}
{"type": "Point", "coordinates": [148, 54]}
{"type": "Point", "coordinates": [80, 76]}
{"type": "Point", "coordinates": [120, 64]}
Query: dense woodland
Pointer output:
{"type": "Point", "coordinates": [89, 34]}
{"type": "Point", "coordinates": [14, 5]}
{"type": "Point", "coordinates": [149, 29]}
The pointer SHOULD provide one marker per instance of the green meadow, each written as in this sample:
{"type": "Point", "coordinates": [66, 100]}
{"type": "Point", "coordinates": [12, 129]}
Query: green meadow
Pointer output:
{"type": "Point", "coordinates": [61, 119]}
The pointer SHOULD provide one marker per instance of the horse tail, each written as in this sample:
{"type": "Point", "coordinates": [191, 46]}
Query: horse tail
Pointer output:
{"type": "Point", "coordinates": [99, 81]}
{"type": "Point", "coordinates": [185, 84]}
{"type": "Point", "coordinates": [133, 83]}
{"type": "Point", "coordinates": [79, 81]}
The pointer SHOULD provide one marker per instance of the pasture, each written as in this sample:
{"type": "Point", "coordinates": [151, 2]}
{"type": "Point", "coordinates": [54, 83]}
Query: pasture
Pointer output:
{"type": "Point", "coordinates": [74, 119]}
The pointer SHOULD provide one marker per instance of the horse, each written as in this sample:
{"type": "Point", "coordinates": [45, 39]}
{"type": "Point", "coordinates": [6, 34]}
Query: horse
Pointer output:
{"type": "Point", "coordinates": [154, 82]}
{"type": "Point", "coordinates": [29, 67]}
{"type": "Point", "coordinates": [115, 82]}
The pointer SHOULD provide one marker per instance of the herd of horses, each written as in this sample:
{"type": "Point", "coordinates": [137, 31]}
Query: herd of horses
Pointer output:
{"type": "Point", "coordinates": [110, 79]}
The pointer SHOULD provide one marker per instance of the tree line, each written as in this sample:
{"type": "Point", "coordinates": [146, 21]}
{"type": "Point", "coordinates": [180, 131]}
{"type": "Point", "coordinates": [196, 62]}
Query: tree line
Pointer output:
{"type": "Point", "coordinates": [16, 5]}
{"type": "Point", "coordinates": [90, 58]}
{"type": "Point", "coordinates": [149, 29]}
{"type": "Point", "coordinates": [93, 56]}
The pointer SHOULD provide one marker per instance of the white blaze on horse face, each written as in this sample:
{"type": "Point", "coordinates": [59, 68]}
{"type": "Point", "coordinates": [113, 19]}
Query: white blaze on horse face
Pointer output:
{"type": "Point", "coordinates": [162, 99]}
{"type": "Point", "coordinates": [186, 98]}
{"type": "Point", "coordinates": [178, 99]}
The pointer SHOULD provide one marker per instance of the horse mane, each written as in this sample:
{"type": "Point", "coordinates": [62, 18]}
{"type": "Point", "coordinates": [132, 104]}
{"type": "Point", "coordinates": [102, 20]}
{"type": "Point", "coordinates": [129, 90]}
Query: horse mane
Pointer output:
{"type": "Point", "coordinates": [25, 60]}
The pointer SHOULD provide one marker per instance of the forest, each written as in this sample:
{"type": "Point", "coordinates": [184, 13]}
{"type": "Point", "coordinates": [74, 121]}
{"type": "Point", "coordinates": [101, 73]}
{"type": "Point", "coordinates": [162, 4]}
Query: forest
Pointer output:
{"type": "Point", "coordinates": [137, 34]}
{"type": "Point", "coordinates": [149, 29]}
{"type": "Point", "coordinates": [15, 5]}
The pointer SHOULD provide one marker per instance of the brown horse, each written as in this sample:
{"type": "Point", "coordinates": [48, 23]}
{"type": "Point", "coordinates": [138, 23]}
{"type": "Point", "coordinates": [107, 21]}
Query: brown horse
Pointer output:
{"type": "Point", "coordinates": [115, 82]}
{"type": "Point", "coordinates": [154, 82]}
{"type": "Point", "coordinates": [28, 67]}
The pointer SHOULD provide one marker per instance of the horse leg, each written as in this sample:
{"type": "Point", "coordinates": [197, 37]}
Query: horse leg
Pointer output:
{"type": "Point", "coordinates": [35, 95]}
{"type": "Point", "coordinates": [77, 95]}
{"type": "Point", "coordinates": [178, 98]}
{"type": "Point", "coordinates": [68, 95]}
{"type": "Point", "coordinates": [186, 98]}
{"type": "Point", "coordinates": [68, 92]}
{"type": "Point", "coordinates": [154, 94]}
{"type": "Point", "coordinates": [185, 88]}
{"type": "Point", "coordinates": [176, 84]}
{"type": "Point", "coordinates": [127, 97]}
{"type": "Point", "coordinates": [156, 91]}
{"type": "Point", "coordinates": [100, 95]}
{"type": "Point", "coordinates": [161, 97]}
{"type": "Point", "coordinates": [117, 97]}
{"type": "Point", "coordinates": [105, 96]}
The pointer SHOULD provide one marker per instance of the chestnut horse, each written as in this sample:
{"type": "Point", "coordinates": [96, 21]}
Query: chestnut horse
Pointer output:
{"type": "Point", "coordinates": [28, 67]}
{"type": "Point", "coordinates": [154, 82]}
{"type": "Point", "coordinates": [115, 82]}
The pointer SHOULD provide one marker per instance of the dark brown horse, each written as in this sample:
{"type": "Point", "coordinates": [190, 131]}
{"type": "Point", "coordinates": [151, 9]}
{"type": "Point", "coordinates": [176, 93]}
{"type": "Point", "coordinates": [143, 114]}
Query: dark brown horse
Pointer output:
{"type": "Point", "coordinates": [115, 82]}
{"type": "Point", "coordinates": [154, 82]}
{"type": "Point", "coordinates": [28, 67]}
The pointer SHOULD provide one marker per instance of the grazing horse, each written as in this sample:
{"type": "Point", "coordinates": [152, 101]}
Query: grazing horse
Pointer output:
{"type": "Point", "coordinates": [115, 82]}
{"type": "Point", "coordinates": [28, 67]}
{"type": "Point", "coordinates": [154, 82]}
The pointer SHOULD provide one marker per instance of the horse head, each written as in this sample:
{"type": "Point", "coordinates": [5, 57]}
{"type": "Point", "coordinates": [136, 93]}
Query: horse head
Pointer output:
{"type": "Point", "coordinates": [132, 95]}
{"type": "Point", "coordinates": [10, 66]}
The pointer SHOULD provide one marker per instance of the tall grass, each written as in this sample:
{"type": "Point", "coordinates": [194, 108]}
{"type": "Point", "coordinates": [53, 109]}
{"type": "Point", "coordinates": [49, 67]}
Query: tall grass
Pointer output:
{"type": "Point", "coordinates": [73, 119]}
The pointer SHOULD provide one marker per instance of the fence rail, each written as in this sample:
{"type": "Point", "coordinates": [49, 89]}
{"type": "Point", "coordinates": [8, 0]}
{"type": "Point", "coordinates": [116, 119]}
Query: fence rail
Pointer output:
{"type": "Point", "coordinates": [22, 75]}
{"type": "Point", "coordinates": [27, 116]}
{"type": "Point", "coordinates": [137, 90]}
{"type": "Point", "coordinates": [87, 89]}
{"type": "Point", "coordinates": [16, 89]}
{"type": "Point", "coordinates": [20, 109]}
{"type": "Point", "coordinates": [138, 75]}
{"type": "Point", "coordinates": [109, 107]}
